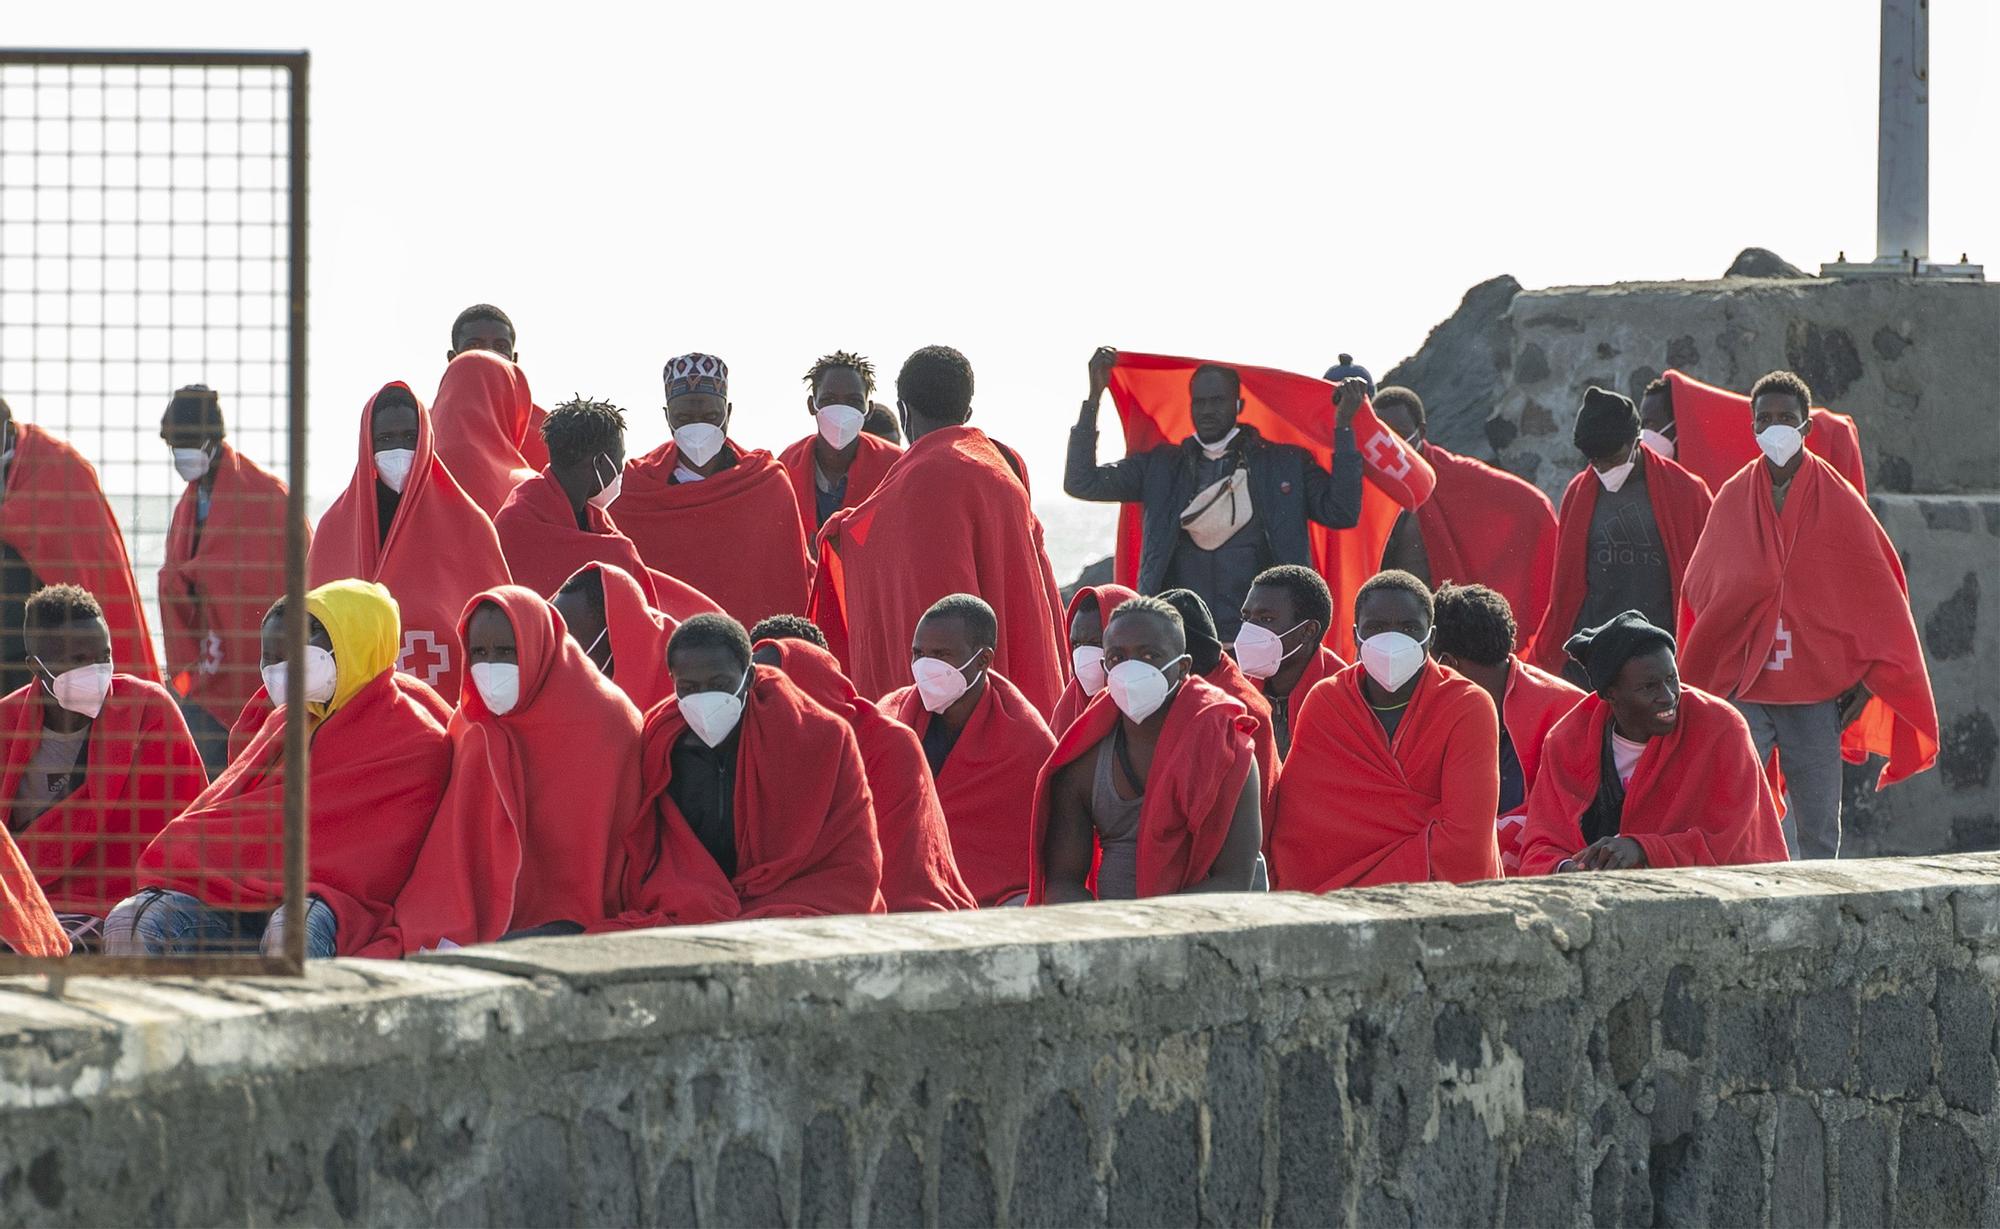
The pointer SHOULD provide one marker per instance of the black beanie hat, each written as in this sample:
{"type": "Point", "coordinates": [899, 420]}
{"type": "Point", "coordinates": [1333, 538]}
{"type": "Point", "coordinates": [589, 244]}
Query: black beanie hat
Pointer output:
{"type": "Point", "coordinates": [1603, 651]}
{"type": "Point", "coordinates": [1204, 646]}
{"type": "Point", "coordinates": [1348, 367]}
{"type": "Point", "coordinates": [1606, 421]}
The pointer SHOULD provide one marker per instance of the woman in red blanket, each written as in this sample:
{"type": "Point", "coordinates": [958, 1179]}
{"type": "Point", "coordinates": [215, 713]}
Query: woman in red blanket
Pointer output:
{"type": "Point", "coordinates": [1089, 607]}
{"type": "Point", "coordinates": [214, 879]}
{"type": "Point", "coordinates": [482, 416]}
{"type": "Point", "coordinates": [1646, 771]}
{"type": "Point", "coordinates": [404, 523]}
{"type": "Point", "coordinates": [755, 801]}
{"type": "Point", "coordinates": [839, 464]}
{"type": "Point", "coordinates": [544, 793]}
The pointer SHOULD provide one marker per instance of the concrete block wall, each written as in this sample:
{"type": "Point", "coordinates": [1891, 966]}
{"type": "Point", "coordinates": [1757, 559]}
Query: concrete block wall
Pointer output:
{"type": "Point", "coordinates": [1811, 1044]}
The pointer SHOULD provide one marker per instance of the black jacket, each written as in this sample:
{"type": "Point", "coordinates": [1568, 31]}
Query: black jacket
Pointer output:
{"type": "Point", "coordinates": [1287, 489]}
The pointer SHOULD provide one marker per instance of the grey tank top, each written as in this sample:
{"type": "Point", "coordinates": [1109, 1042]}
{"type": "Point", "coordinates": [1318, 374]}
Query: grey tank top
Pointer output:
{"type": "Point", "coordinates": [1117, 822]}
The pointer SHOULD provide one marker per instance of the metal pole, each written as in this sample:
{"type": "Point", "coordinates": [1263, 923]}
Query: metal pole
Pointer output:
{"type": "Point", "coordinates": [1903, 151]}
{"type": "Point", "coordinates": [297, 751]}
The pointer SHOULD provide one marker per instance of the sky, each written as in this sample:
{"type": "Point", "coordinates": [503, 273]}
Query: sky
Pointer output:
{"type": "Point", "coordinates": [1259, 183]}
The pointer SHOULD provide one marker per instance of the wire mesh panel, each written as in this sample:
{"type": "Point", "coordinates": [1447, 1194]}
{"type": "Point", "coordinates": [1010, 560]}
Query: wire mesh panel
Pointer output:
{"type": "Point", "coordinates": [152, 375]}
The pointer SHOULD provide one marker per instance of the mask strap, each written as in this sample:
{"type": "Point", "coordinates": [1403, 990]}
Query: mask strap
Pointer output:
{"type": "Point", "coordinates": [600, 640]}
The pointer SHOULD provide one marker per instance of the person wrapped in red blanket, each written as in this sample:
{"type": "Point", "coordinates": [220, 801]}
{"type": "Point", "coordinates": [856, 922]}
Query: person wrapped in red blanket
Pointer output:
{"type": "Point", "coordinates": [608, 614]}
{"type": "Point", "coordinates": [57, 528]}
{"type": "Point", "coordinates": [1219, 670]}
{"type": "Point", "coordinates": [1394, 774]}
{"type": "Point", "coordinates": [950, 517]}
{"type": "Point", "coordinates": [531, 834]}
{"type": "Point", "coordinates": [919, 867]}
{"type": "Point", "coordinates": [1481, 525]}
{"type": "Point", "coordinates": [404, 523]}
{"type": "Point", "coordinates": [839, 465]}
{"type": "Point", "coordinates": [1798, 612]}
{"type": "Point", "coordinates": [1475, 636]}
{"type": "Point", "coordinates": [28, 927]}
{"type": "Point", "coordinates": [485, 327]}
{"type": "Point", "coordinates": [1153, 791]}
{"type": "Point", "coordinates": [1089, 607]}
{"type": "Point", "coordinates": [984, 743]}
{"type": "Point", "coordinates": [1707, 430]}
{"type": "Point", "coordinates": [754, 803]}
{"type": "Point", "coordinates": [482, 416]}
{"type": "Point", "coordinates": [1281, 644]}
{"type": "Point", "coordinates": [93, 763]}
{"type": "Point", "coordinates": [380, 756]}
{"type": "Point", "coordinates": [1646, 771]}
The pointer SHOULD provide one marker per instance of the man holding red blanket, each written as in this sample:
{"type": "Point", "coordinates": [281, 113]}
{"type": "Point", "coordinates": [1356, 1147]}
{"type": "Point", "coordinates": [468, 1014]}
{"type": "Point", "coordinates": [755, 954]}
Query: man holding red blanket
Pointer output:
{"type": "Point", "coordinates": [1394, 771]}
{"type": "Point", "coordinates": [560, 519]}
{"type": "Point", "coordinates": [1281, 642]}
{"type": "Point", "coordinates": [1707, 430]}
{"type": "Point", "coordinates": [1628, 526]}
{"type": "Point", "coordinates": [839, 464]}
{"type": "Point", "coordinates": [712, 514]}
{"type": "Point", "coordinates": [1153, 791]}
{"type": "Point", "coordinates": [984, 743]}
{"type": "Point", "coordinates": [952, 516]}
{"type": "Point", "coordinates": [754, 800]}
{"type": "Point", "coordinates": [1646, 771]}
{"type": "Point", "coordinates": [1798, 611]}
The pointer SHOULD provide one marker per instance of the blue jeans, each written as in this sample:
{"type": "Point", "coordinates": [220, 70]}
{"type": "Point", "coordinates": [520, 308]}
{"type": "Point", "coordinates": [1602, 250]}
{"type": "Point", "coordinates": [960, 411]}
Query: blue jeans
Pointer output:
{"type": "Point", "coordinates": [157, 922]}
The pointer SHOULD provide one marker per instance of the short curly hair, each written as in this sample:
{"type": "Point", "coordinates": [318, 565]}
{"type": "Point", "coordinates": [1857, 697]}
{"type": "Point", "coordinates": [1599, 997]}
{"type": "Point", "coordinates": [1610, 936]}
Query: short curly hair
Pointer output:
{"type": "Point", "coordinates": [581, 428]}
{"type": "Point", "coordinates": [60, 606]}
{"type": "Point", "coordinates": [1396, 394]}
{"type": "Point", "coordinates": [1398, 581]}
{"type": "Point", "coordinates": [788, 627]}
{"type": "Point", "coordinates": [842, 358]}
{"type": "Point", "coordinates": [1785, 383]}
{"type": "Point", "coordinates": [1473, 622]}
{"type": "Point", "coordinates": [711, 631]}
{"type": "Point", "coordinates": [936, 383]}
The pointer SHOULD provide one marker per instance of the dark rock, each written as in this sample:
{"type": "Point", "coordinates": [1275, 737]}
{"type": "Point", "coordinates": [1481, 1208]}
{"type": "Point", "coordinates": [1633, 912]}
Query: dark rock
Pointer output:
{"type": "Point", "coordinates": [1382, 1208]}
{"type": "Point", "coordinates": [1456, 1174]}
{"type": "Point", "coordinates": [534, 1174]}
{"type": "Point", "coordinates": [1683, 1018]}
{"type": "Point", "coordinates": [1053, 1182]}
{"type": "Point", "coordinates": [1763, 262]}
{"type": "Point", "coordinates": [45, 1180]}
{"type": "Point", "coordinates": [1531, 365]}
{"type": "Point", "coordinates": [1673, 1107]}
{"type": "Point", "coordinates": [966, 1193]}
{"type": "Point", "coordinates": [607, 1179]}
{"type": "Point", "coordinates": [826, 1173]}
{"type": "Point", "coordinates": [1951, 515]}
{"type": "Point", "coordinates": [1460, 369]}
{"type": "Point", "coordinates": [1735, 1165]}
{"type": "Point", "coordinates": [1234, 1191]}
{"type": "Point", "coordinates": [1629, 1029]}
{"type": "Point", "coordinates": [1536, 419]}
{"type": "Point", "coordinates": [1968, 747]}
{"type": "Point", "coordinates": [1542, 1186]}
{"type": "Point", "coordinates": [288, 1180]}
{"type": "Point", "coordinates": [1732, 340]}
{"type": "Point", "coordinates": [673, 1198]}
{"type": "Point", "coordinates": [1990, 510]}
{"type": "Point", "coordinates": [1156, 1166]}
{"type": "Point", "coordinates": [1863, 1174]}
{"type": "Point", "coordinates": [1541, 1036]}
{"type": "Point", "coordinates": [1607, 1187]}
{"type": "Point", "coordinates": [1889, 344]}
{"type": "Point", "coordinates": [1554, 322]}
{"type": "Point", "coordinates": [1093, 574]}
{"type": "Point", "coordinates": [1949, 631]}
{"type": "Point", "coordinates": [1312, 1178]}
{"type": "Point", "coordinates": [1606, 350]}
{"type": "Point", "coordinates": [1964, 1009]}
{"type": "Point", "coordinates": [1673, 1183]}
{"type": "Point", "coordinates": [1825, 1022]}
{"type": "Point", "coordinates": [1891, 473]}
{"type": "Point", "coordinates": [897, 1198]}
{"type": "Point", "coordinates": [342, 1170]}
{"type": "Point", "coordinates": [1974, 833]}
{"type": "Point", "coordinates": [1752, 1043]}
{"type": "Point", "coordinates": [1501, 432]}
{"type": "Point", "coordinates": [1825, 358]}
{"type": "Point", "coordinates": [1683, 355]}
{"type": "Point", "coordinates": [1895, 1045]}
{"type": "Point", "coordinates": [1455, 1037]}
{"type": "Point", "coordinates": [1635, 384]}
{"type": "Point", "coordinates": [1798, 1166]}
{"type": "Point", "coordinates": [1940, 1180]}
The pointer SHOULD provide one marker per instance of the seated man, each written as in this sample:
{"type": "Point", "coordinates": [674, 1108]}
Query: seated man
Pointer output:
{"type": "Point", "coordinates": [1153, 791]}
{"type": "Point", "coordinates": [1475, 636]}
{"type": "Point", "coordinates": [754, 800]}
{"type": "Point", "coordinates": [607, 614]}
{"type": "Point", "coordinates": [544, 792]}
{"type": "Point", "coordinates": [1798, 612]}
{"type": "Point", "coordinates": [483, 414]}
{"type": "Point", "coordinates": [214, 879]}
{"type": "Point", "coordinates": [1089, 607]}
{"type": "Point", "coordinates": [1281, 642]}
{"type": "Point", "coordinates": [839, 464]}
{"type": "Point", "coordinates": [919, 868]}
{"type": "Point", "coordinates": [984, 742]}
{"type": "Point", "coordinates": [1646, 771]}
{"type": "Point", "coordinates": [93, 763]}
{"type": "Point", "coordinates": [560, 519]}
{"type": "Point", "coordinates": [1219, 670]}
{"type": "Point", "coordinates": [1394, 772]}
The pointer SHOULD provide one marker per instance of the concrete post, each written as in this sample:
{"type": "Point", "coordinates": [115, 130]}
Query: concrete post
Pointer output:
{"type": "Point", "coordinates": [1903, 152]}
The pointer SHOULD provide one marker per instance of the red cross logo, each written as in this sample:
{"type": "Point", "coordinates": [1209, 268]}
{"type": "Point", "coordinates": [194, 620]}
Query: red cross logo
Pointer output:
{"type": "Point", "coordinates": [1385, 456]}
{"type": "Point", "coordinates": [423, 657]}
{"type": "Point", "coordinates": [1781, 648]}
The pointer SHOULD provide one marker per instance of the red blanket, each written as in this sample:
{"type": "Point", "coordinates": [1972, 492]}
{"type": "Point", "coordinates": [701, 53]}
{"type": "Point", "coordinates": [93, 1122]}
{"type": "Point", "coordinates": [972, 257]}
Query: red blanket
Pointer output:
{"type": "Point", "coordinates": [1203, 759]}
{"type": "Point", "coordinates": [951, 517]}
{"type": "Point", "coordinates": [482, 415]}
{"type": "Point", "coordinates": [440, 550]}
{"type": "Point", "coordinates": [919, 867]}
{"type": "Point", "coordinates": [28, 927]}
{"type": "Point", "coordinates": [1355, 809]}
{"type": "Point", "coordinates": [871, 464]}
{"type": "Point", "coordinates": [735, 535]}
{"type": "Point", "coordinates": [141, 770]}
{"type": "Point", "coordinates": [1103, 599]}
{"type": "Point", "coordinates": [1795, 607]}
{"type": "Point", "coordinates": [1697, 796]}
{"type": "Point", "coordinates": [805, 821]}
{"type": "Point", "coordinates": [1484, 526]}
{"type": "Point", "coordinates": [638, 634]}
{"type": "Point", "coordinates": [1715, 434]}
{"type": "Point", "coordinates": [1680, 508]}
{"type": "Point", "coordinates": [1532, 704]}
{"type": "Point", "coordinates": [1151, 393]}
{"type": "Point", "coordinates": [544, 548]}
{"type": "Point", "coordinates": [1325, 663]}
{"type": "Point", "coordinates": [377, 770]}
{"type": "Point", "coordinates": [542, 802]}
{"type": "Point", "coordinates": [54, 514]}
{"type": "Point", "coordinates": [1243, 689]}
{"type": "Point", "coordinates": [987, 787]}
{"type": "Point", "coordinates": [216, 585]}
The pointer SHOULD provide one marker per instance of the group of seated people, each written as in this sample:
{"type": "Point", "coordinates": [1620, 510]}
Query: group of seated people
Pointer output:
{"type": "Point", "coordinates": [837, 683]}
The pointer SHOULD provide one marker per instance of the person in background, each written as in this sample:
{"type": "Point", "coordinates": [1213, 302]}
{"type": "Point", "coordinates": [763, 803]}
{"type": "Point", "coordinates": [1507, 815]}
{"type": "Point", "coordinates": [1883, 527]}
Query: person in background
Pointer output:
{"type": "Point", "coordinates": [839, 464]}
{"type": "Point", "coordinates": [560, 519]}
{"type": "Point", "coordinates": [1348, 369]}
{"type": "Point", "coordinates": [485, 327]}
{"type": "Point", "coordinates": [881, 423]}
{"type": "Point", "coordinates": [1089, 607]}
{"type": "Point", "coordinates": [1476, 636]}
{"type": "Point", "coordinates": [482, 415]}
{"type": "Point", "coordinates": [225, 565]}
{"type": "Point", "coordinates": [1219, 670]}
{"type": "Point", "coordinates": [1656, 417]}
{"type": "Point", "coordinates": [1281, 642]}
{"type": "Point", "coordinates": [623, 635]}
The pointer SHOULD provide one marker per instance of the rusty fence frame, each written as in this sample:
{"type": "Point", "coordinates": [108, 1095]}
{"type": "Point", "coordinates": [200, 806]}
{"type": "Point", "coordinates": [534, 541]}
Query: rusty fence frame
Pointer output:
{"type": "Point", "coordinates": [297, 66]}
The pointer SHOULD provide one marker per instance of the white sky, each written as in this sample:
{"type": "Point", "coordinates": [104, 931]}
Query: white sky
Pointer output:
{"type": "Point", "coordinates": [1268, 184]}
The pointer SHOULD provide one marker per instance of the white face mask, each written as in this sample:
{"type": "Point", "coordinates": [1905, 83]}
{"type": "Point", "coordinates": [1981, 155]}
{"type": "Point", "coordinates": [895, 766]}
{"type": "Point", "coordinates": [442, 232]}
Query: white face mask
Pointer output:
{"type": "Point", "coordinates": [1089, 662]}
{"type": "Point", "coordinates": [320, 676]}
{"type": "Point", "coordinates": [1259, 651]}
{"type": "Point", "coordinates": [1657, 442]}
{"type": "Point", "coordinates": [608, 493]}
{"type": "Point", "coordinates": [499, 684]}
{"type": "Point", "coordinates": [940, 683]}
{"type": "Point", "coordinates": [1615, 477]}
{"type": "Point", "coordinates": [81, 690]}
{"type": "Point", "coordinates": [840, 425]}
{"type": "Point", "coordinates": [1392, 658]}
{"type": "Point", "coordinates": [712, 714]}
{"type": "Point", "coordinates": [1138, 688]}
{"type": "Point", "coordinates": [1780, 442]}
{"type": "Point", "coordinates": [393, 465]}
{"type": "Point", "coordinates": [699, 442]}
{"type": "Point", "coordinates": [191, 463]}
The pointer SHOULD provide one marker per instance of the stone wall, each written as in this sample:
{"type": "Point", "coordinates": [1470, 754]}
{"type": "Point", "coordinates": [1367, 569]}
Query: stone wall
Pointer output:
{"type": "Point", "coordinates": [1798, 1045]}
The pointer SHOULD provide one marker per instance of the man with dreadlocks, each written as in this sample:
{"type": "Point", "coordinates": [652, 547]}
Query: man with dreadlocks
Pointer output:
{"type": "Point", "coordinates": [840, 464]}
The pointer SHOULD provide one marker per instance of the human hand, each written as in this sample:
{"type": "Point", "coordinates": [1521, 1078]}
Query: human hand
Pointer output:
{"type": "Point", "coordinates": [1612, 853]}
{"type": "Point", "coordinates": [1347, 398]}
{"type": "Point", "coordinates": [1101, 362]}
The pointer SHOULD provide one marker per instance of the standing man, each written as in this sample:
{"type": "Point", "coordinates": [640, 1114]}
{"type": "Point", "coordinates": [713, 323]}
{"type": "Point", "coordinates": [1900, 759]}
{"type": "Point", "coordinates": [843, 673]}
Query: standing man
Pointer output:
{"type": "Point", "coordinates": [839, 464]}
{"type": "Point", "coordinates": [1223, 504]}
{"type": "Point", "coordinates": [483, 415]}
{"type": "Point", "coordinates": [485, 327]}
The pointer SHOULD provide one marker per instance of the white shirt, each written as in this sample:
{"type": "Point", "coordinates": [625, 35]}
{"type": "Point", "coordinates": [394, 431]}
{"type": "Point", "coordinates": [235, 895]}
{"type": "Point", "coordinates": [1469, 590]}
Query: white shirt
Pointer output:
{"type": "Point", "coordinates": [1625, 756]}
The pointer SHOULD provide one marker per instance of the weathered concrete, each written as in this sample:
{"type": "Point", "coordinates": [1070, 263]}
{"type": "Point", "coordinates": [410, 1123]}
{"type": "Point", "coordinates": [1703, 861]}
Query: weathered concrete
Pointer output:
{"type": "Point", "coordinates": [1799, 1045]}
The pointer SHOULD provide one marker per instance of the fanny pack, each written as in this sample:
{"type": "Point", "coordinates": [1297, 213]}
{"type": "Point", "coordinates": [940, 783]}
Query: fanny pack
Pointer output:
{"type": "Point", "coordinates": [1219, 510]}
